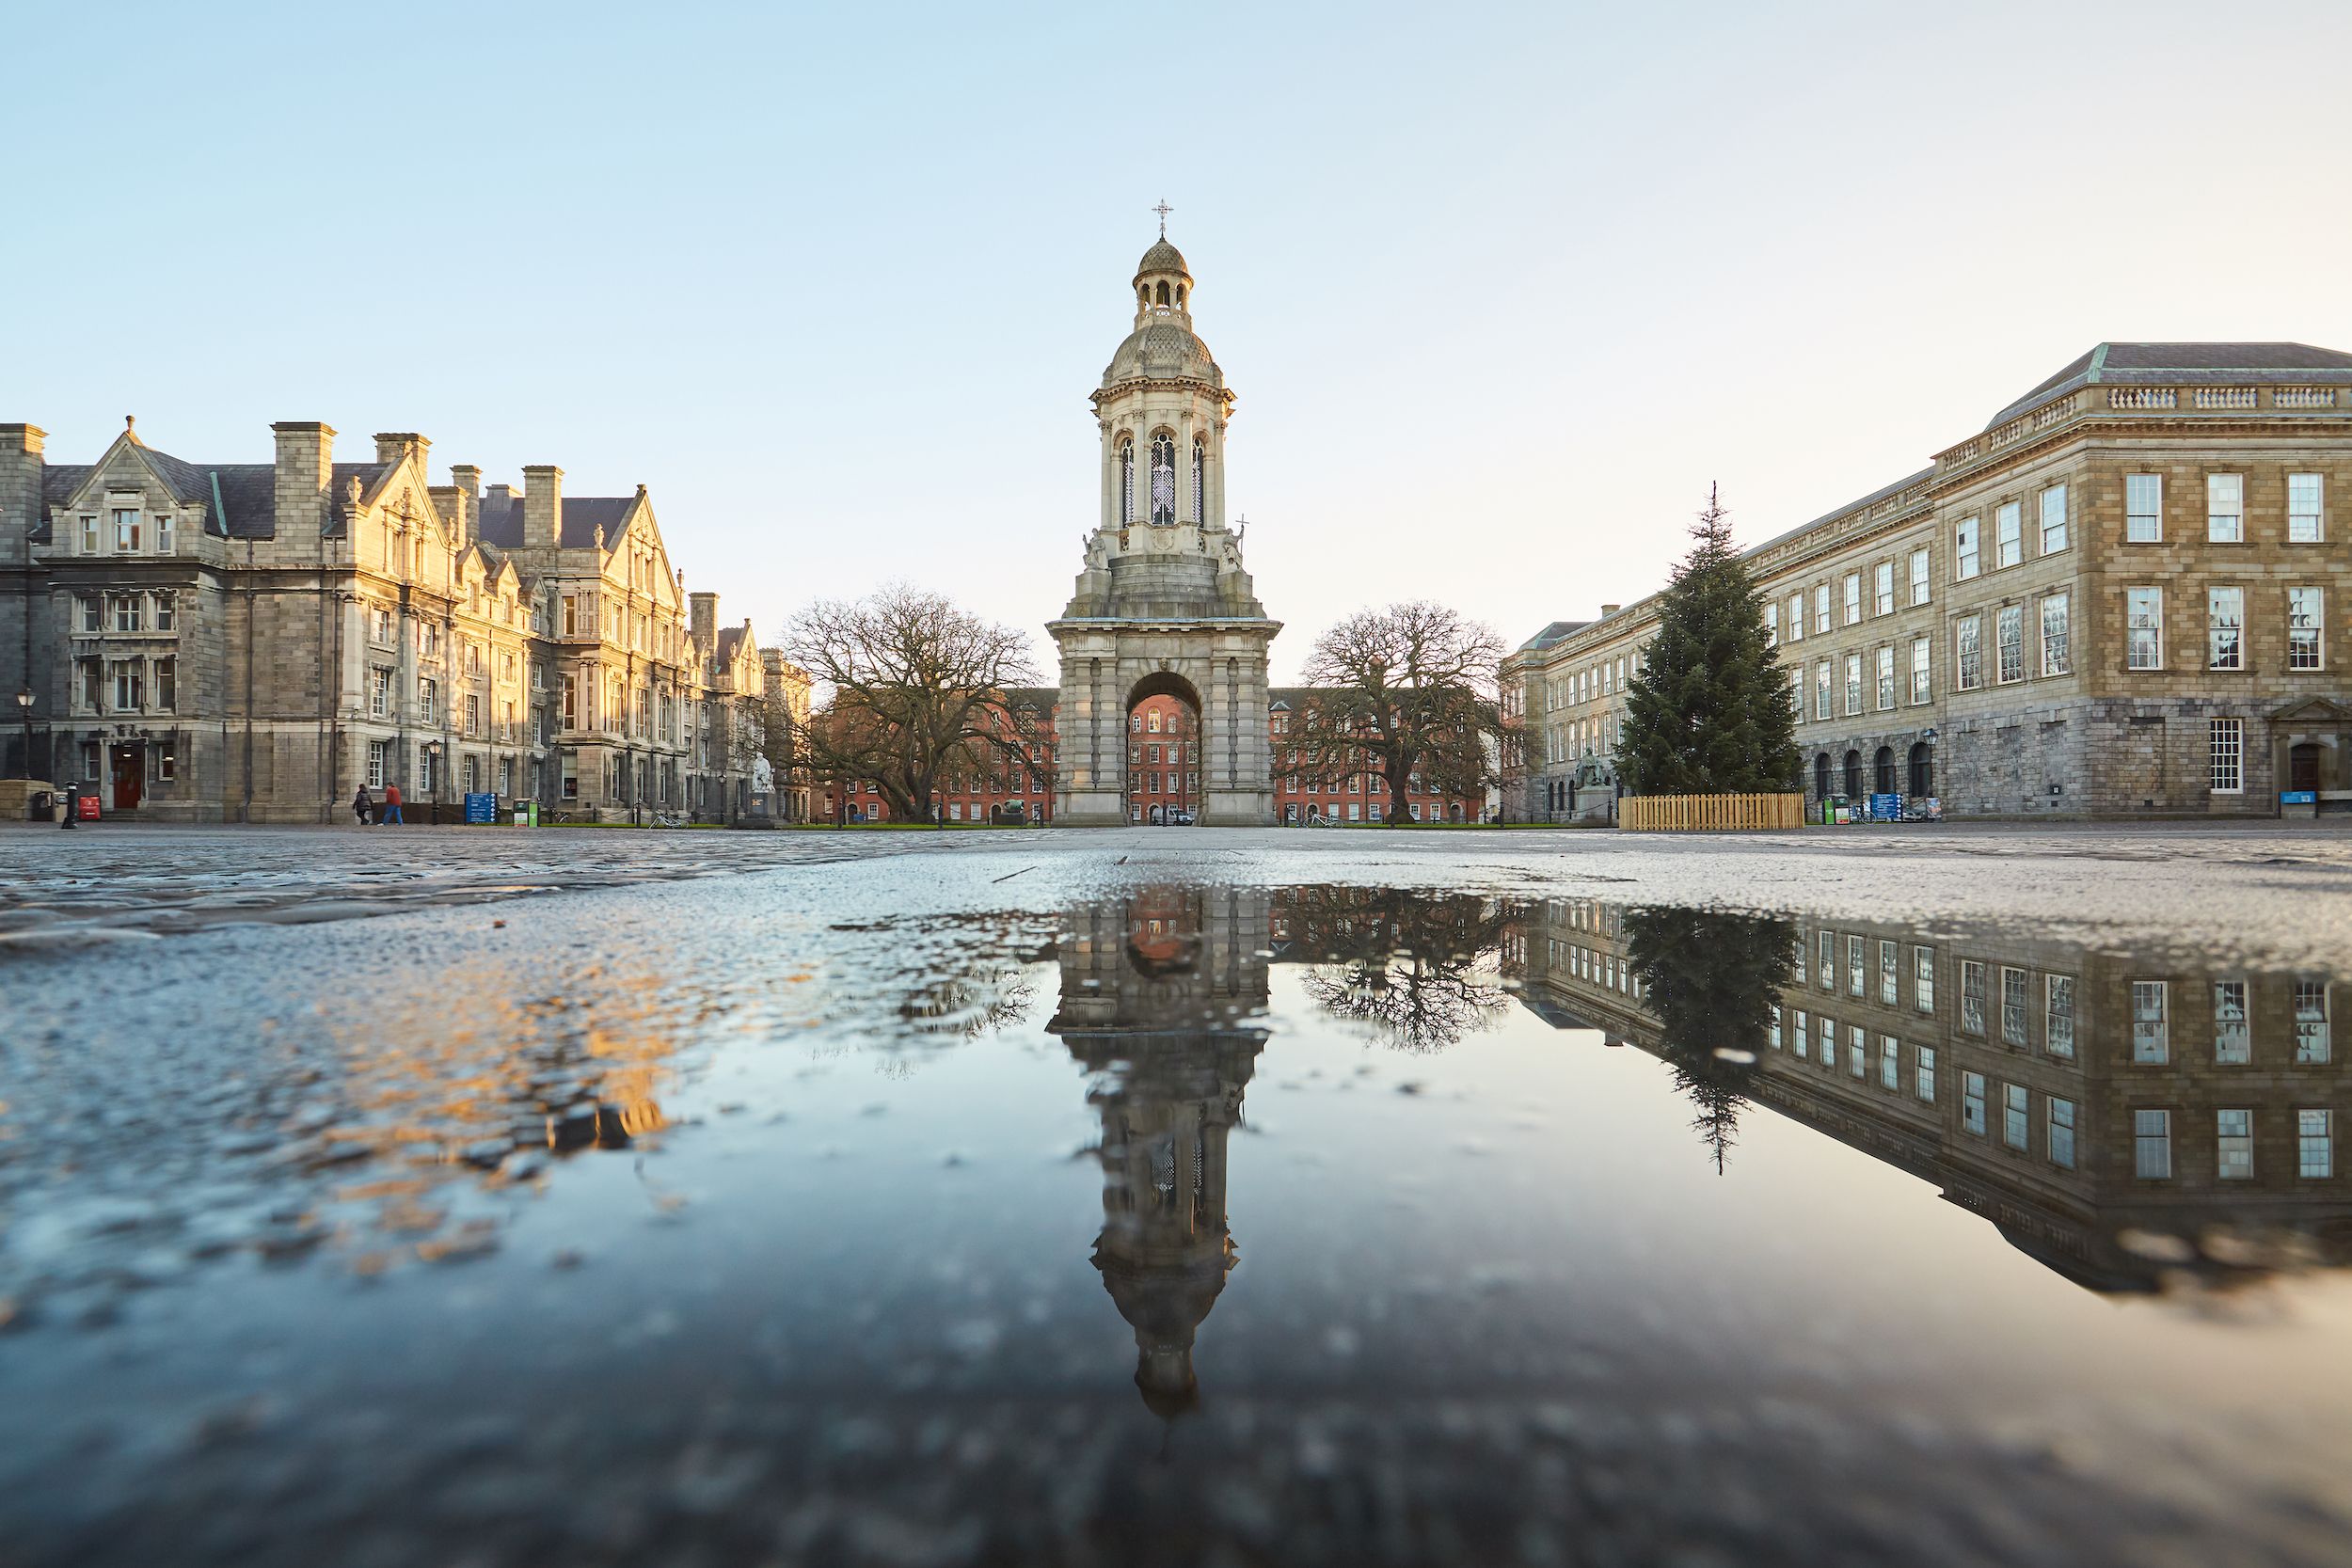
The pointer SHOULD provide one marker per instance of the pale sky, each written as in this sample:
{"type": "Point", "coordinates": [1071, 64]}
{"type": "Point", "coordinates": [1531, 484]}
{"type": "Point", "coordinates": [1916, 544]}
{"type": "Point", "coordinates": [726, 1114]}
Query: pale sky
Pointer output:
{"type": "Point", "coordinates": [1500, 289]}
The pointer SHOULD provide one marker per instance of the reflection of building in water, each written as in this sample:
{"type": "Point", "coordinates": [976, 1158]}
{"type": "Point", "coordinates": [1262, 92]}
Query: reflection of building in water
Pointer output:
{"type": "Point", "coordinates": [1162, 998]}
{"type": "Point", "coordinates": [2105, 1113]}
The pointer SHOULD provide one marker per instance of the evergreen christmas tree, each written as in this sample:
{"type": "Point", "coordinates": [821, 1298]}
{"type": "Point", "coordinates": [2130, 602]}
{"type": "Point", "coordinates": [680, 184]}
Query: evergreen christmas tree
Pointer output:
{"type": "Point", "coordinates": [1710, 712]}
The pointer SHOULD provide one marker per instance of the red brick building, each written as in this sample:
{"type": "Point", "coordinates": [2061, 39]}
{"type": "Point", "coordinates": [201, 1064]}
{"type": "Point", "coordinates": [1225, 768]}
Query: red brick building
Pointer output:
{"type": "Point", "coordinates": [1162, 773]}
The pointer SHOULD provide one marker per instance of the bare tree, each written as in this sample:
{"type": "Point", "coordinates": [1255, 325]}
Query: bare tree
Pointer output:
{"type": "Point", "coordinates": [913, 689]}
{"type": "Point", "coordinates": [1406, 690]}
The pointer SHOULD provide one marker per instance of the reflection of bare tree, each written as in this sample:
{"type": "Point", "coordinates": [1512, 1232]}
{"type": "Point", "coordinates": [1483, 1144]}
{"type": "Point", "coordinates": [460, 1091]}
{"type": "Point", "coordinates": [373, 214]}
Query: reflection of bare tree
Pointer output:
{"type": "Point", "coordinates": [1413, 967]}
{"type": "Point", "coordinates": [965, 1006]}
{"type": "Point", "coordinates": [1710, 979]}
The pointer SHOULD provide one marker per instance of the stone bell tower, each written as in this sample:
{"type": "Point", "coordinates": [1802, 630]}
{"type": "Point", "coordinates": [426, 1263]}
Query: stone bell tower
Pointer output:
{"type": "Point", "coordinates": [1163, 606]}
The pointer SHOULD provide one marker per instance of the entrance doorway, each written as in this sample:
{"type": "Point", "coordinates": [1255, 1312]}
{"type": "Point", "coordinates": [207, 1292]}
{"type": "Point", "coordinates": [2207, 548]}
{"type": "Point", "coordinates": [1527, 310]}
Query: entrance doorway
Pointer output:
{"type": "Point", "coordinates": [1165, 751]}
{"type": "Point", "coordinates": [2303, 766]}
{"type": "Point", "coordinates": [126, 768]}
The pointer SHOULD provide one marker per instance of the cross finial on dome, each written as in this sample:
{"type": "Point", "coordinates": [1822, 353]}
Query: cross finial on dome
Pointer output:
{"type": "Point", "coordinates": [1163, 209]}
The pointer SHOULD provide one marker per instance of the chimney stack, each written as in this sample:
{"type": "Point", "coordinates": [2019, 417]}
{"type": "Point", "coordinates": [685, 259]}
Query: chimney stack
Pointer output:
{"type": "Point", "coordinates": [391, 446]}
{"type": "Point", "coordinates": [20, 464]}
{"type": "Point", "coordinates": [465, 481]}
{"type": "Point", "coordinates": [306, 465]}
{"type": "Point", "coordinates": [702, 619]}
{"type": "Point", "coordinates": [1610, 608]}
{"type": "Point", "coordinates": [543, 506]}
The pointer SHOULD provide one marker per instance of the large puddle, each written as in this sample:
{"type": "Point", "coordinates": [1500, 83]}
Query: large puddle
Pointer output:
{"type": "Point", "coordinates": [1179, 1224]}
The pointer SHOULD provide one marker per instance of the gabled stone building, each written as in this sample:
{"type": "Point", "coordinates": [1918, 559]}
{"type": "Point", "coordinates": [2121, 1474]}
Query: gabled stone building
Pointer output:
{"type": "Point", "coordinates": [253, 641]}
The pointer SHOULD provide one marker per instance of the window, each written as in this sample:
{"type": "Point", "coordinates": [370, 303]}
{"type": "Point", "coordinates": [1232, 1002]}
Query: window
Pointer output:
{"type": "Point", "coordinates": [1821, 607]}
{"type": "Point", "coordinates": [93, 613]}
{"type": "Point", "coordinates": [1887, 996]}
{"type": "Point", "coordinates": [2228, 753]}
{"type": "Point", "coordinates": [1972, 997]}
{"type": "Point", "coordinates": [1829, 1039]}
{"type": "Point", "coordinates": [1796, 692]}
{"type": "Point", "coordinates": [2311, 1020]}
{"type": "Point", "coordinates": [2152, 1145]}
{"type": "Point", "coordinates": [1886, 677]}
{"type": "Point", "coordinates": [473, 714]}
{"type": "Point", "coordinates": [2225, 626]}
{"type": "Point", "coordinates": [1857, 1050]}
{"type": "Point", "coordinates": [1923, 978]}
{"type": "Point", "coordinates": [428, 700]}
{"type": "Point", "coordinates": [2057, 642]}
{"type": "Point", "coordinates": [1126, 481]}
{"type": "Point", "coordinates": [1854, 598]}
{"type": "Point", "coordinates": [2053, 519]}
{"type": "Point", "coordinates": [1972, 1103]}
{"type": "Point", "coordinates": [2152, 1037]}
{"type": "Point", "coordinates": [2225, 508]}
{"type": "Point", "coordinates": [91, 688]}
{"type": "Point", "coordinates": [126, 529]}
{"type": "Point", "coordinates": [1969, 653]}
{"type": "Point", "coordinates": [2058, 1015]}
{"type": "Point", "coordinates": [1772, 1029]}
{"type": "Point", "coordinates": [2058, 1132]}
{"type": "Point", "coordinates": [2234, 1145]}
{"type": "Point", "coordinates": [2010, 630]}
{"type": "Point", "coordinates": [1163, 481]}
{"type": "Point", "coordinates": [165, 541]}
{"type": "Point", "coordinates": [89, 540]}
{"type": "Point", "coordinates": [1821, 689]}
{"type": "Point", "coordinates": [1772, 625]}
{"type": "Point", "coordinates": [2143, 508]}
{"type": "Point", "coordinates": [2305, 621]}
{"type": "Point", "coordinates": [2314, 1145]}
{"type": "Point", "coordinates": [2014, 1104]}
{"type": "Point", "coordinates": [167, 685]}
{"type": "Point", "coordinates": [2008, 543]}
{"type": "Point", "coordinates": [2144, 624]}
{"type": "Point", "coordinates": [129, 693]}
{"type": "Point", "coordinates": [1796, 617]}
{"type": "Point", "coordinates": [1200, 481]}
{"type": "Point", "coordinates": [1923, 1082]}
{"type": "Point", "coordinates": [1798, 1037]}
{"type": "Point", "coordinates": [1828, 967]}
{"type": "Point", "coordinates": [1856, 950]}
{"type": "Point", "coordinates": [1890, 1063]}
{"type": "Point", "coordinates": [1853, 684]}
{"type": "Point", "coordinates": [2014, 1008]}
{"type": "Point", "coordinates": [1965, 541]}
{"type": "Point", "coordinates": [166, 759]}
{"type": "Point", "coordinates": [127, 617]}
{"type": "Point", "coordinates": [2304, 520]}
{"type": "Point", "coordinates": [377, 750]}
{"type": "Point", "coordinates": [1919, 576]}
{"type": "Point", "coordinates": [1882, 589]}
{"type": "Point", "coordinates": [1922, 687]}
{"type": "Point", "coordinates": [2232, 1041]}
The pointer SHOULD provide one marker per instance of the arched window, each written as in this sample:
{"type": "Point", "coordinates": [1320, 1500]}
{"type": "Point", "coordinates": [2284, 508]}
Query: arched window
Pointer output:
{"type": "Point", "coordinates": [1853, 775]}
{"type": "Point", "coordinates": [1126, 481]}
{"type": "Point", "coordinates": [1922, 768]}
{"type": "Point", "coordinates": [1883, 766]}
{"type": "Point", "coordinates": [1200, 482]}
{"type": "Point", "coordinates": [1820, 777]}
{"type": "Point", "coordinates": [1163, 294]}
{"type": "Point", "coordinates": [1179, 296]}
{"type": "Point", "coordinates": [1163, 481]}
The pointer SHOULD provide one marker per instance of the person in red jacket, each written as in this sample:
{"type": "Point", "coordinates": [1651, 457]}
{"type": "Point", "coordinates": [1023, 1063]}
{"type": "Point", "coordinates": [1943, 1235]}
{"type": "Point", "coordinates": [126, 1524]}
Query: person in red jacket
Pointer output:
{"type": "Point", "coordinates": [391, 805]}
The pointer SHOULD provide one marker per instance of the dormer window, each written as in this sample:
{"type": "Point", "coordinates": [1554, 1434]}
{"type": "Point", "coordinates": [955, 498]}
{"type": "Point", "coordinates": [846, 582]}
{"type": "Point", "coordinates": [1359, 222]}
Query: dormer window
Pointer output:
{"type": "Point", "coordinates": [89, 536]}
{"type": "Point", "coordinates": [127, 528]}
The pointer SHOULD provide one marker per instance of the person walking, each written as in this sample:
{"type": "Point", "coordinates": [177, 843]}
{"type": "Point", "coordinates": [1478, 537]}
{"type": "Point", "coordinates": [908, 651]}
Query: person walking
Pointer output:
{"type": "Point", "coordinates": [363, 805]}
{"type": "Point", "coordinates": [391, 806]}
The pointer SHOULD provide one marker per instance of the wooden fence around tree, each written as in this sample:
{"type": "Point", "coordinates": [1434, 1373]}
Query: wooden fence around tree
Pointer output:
{"type": "Point", "coordinates": [1686, 813]}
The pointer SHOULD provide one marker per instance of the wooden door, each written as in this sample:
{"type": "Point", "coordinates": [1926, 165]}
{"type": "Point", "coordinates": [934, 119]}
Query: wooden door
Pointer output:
{"type": "Point", "coordinates": [2303, 766]}
{"type": "Point", "coordinates": [129, 765]}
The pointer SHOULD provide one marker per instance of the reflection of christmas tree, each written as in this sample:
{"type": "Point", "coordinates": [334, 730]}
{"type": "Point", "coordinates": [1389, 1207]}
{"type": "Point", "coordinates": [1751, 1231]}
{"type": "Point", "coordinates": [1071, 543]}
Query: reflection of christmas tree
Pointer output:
{"type": "Point", "coordinates": [1408, 964]}
{"type": "Point", "coordinates": [1710, 981]}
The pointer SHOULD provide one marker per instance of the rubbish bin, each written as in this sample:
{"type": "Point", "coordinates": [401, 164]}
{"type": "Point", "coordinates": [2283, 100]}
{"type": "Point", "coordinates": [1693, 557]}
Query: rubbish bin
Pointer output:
{"type": "Point", "coordinates": [42, 807]}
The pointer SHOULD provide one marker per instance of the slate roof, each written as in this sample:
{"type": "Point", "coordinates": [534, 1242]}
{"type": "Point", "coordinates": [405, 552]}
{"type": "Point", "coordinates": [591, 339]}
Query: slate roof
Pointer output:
{"type": "Point", "coordinates": [2163, 364]}
{"type": "Point", "coordinates": [1043, 698]}
{"type": "Point", "coordinates": [248, 491]}
{"type": "Point", "coordinates": [1551, 634]}
{"type": "Point", "coordinates": [576, 528]}
{"type": "Point", "coordinates": [730, 638]}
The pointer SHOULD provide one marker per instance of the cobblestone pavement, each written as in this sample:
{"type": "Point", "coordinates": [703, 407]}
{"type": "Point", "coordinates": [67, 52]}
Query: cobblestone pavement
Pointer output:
{"type": "Point", "coordinates": [2281, 892]}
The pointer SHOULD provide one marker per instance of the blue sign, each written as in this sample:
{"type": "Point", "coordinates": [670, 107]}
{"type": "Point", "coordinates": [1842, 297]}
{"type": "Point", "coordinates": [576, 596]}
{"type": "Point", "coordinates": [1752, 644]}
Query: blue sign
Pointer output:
{"type": "Point", "coordinates": [2298, 798]}
{"type": "Point", "coordinates": [1886, 808]}
{"type": "Point", "coordinates": [481, 808]}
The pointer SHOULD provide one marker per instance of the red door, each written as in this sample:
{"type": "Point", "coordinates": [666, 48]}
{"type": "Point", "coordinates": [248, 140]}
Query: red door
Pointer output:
{"type": "Point", "coordinates": [129, 765]}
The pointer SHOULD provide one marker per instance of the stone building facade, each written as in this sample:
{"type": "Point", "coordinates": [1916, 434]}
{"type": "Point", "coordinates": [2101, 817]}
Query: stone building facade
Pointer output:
{"type": "Point", "coordinates": [254, 642]}
{"type": "Point", "coordinates": [2125, 596]}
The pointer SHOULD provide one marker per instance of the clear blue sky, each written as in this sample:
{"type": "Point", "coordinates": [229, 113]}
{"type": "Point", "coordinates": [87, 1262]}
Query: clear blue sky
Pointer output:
{"type": "Point", "coordinates": [1500, 289]}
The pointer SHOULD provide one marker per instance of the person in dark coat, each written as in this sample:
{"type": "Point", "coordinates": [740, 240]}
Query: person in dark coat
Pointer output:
{"type": "Point", "coordinates": [363, 806]}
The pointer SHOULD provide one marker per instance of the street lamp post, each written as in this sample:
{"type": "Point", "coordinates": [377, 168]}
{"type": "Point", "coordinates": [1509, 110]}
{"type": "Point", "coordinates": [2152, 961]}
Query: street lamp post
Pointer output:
{"type": "Point", "coordinates": [24, 709]}
{"type": "Point", "coordinates": [433, 760]}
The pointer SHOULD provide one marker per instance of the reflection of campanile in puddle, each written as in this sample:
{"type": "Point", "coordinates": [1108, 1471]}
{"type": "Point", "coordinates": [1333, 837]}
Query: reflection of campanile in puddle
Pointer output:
{"type": "Point", "coordinates": [1163, 997]}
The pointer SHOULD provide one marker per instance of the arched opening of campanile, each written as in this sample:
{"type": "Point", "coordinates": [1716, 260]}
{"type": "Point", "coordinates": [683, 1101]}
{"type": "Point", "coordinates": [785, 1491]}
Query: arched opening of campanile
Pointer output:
{"type": "Point", "coordinates": [1166, 751]}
